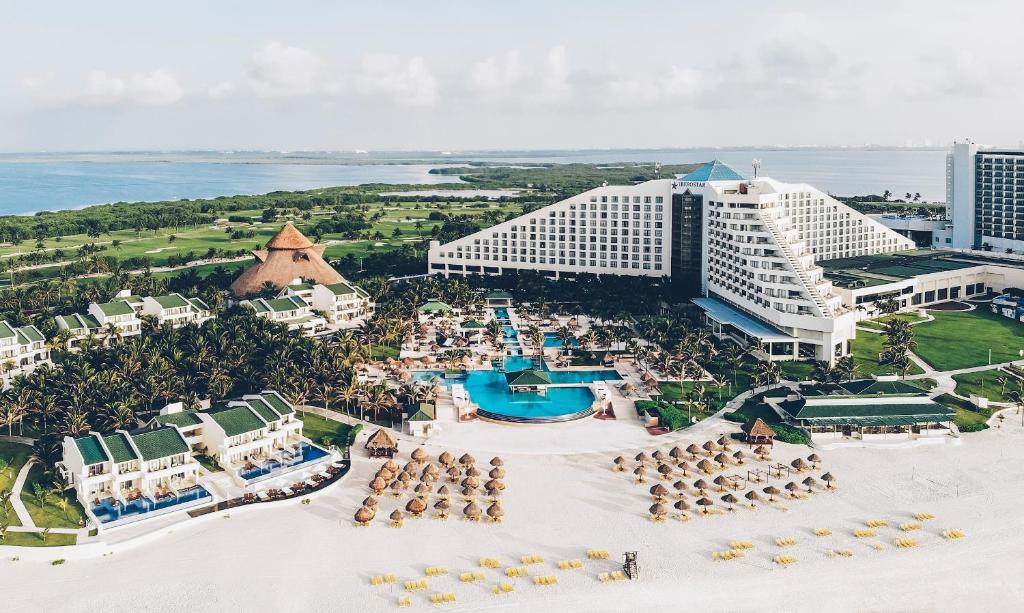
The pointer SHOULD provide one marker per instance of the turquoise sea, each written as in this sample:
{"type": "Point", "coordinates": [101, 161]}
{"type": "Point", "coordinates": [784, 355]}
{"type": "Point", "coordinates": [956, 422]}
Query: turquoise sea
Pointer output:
{"type": "Point", "coordinates": [52, 181]}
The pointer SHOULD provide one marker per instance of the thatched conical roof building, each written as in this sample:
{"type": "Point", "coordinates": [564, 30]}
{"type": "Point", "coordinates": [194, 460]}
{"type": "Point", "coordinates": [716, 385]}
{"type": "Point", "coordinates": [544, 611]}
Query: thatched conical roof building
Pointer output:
{"type": "Point", "coordinates": [286, 257]}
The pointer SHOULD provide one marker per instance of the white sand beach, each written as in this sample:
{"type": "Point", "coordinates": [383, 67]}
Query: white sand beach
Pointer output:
{"type": "Point", "coordinates": [313, 557]}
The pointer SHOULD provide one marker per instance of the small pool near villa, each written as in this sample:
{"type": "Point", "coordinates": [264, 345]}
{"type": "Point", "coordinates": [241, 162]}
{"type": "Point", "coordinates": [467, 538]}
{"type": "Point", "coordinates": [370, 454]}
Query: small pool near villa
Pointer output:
{"type": "Point", "coordinates": [270, 468]}
{"type": "Point", "coordinates": [110, 511]}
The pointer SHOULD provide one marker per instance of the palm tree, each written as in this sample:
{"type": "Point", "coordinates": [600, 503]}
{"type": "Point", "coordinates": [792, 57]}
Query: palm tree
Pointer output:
{"type": "Point", "coordinates": [768, 373]}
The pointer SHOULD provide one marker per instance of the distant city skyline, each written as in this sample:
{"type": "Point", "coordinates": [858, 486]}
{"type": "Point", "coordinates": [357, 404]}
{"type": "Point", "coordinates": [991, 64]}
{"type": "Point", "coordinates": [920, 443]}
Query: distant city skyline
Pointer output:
{"type": "Point", "coordinates": [459, 75]}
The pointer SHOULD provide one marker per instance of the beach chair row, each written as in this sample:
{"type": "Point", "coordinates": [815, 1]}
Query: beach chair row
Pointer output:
{"type": "Point", "coordinates": [616, 575]}
{"type": "Point", "coordinates": [472, 577]}
{"type": "Point", "coordinates": [416, 585]}
{"type": "Point", "coordinates": [569, 564]}
{"type": "Point", "coordinates": [741, 545]}
{"type": "Point", "coordinates": [953, 534]}
{"type": "Point", "coordinates": [436, 571]}
{"type": "Point", "coordinates": [905, 543]}
{"type": "Point", "coordinates": [489, 563]}
{"type": "Point", "coordinates": [784, 560]}
{"type": "Point", "coordinates": [546, 580]}
{"type": "Point", "coordinates": [516, 571]}
{"type": "Point", "coordinates": [785, 542]}
{"type": "Point", "coordinates": [441, 598]}
{"type": "Point", "coordinates": [533, 559]}
{"type": "Point", "coordinates": [503, 588]}
{"type": "Point", "coordinates": [382, 579]}
{"type": "Point", "coordinates": [597, 554]}
{"type": "Point", "coordinates": [731, 554]}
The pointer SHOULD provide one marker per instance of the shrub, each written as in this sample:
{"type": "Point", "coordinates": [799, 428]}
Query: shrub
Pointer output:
{"type": "Point", "coordinates": [973, 427]}
{"type": "Point", "coordinates": [669, 415]}
{"type": "Point", "coordinates": [353, 433]}
{"type": "Point", "coordinates": [57, 562]}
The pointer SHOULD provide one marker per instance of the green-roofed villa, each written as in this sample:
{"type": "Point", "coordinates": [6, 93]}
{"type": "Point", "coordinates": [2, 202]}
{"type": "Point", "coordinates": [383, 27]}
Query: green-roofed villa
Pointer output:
{"type": "Point", "coordinates": [882, 409]}
{"type": "Point", "coordinates": [290, 310]}
{"type": "Point", "coordinates": [21, 350]}
{"type": "Point", "coordinates": [117, 318]}
{"type": "Point", "coordinates": [344, 303]}
{"type": "Point", "coordinates": [176, 310]}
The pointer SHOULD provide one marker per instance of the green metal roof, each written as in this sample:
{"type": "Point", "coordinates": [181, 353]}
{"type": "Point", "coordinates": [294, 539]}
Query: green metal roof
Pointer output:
{"type": "Point", "coordinates": [182, 419]}
{"type": "Point", "coordinates": [288, 303]}
{"type": "Point", "coordinates": [263, 409]}
{"type": "Point", "coordinates": [881, 421]}
{"type": "Point", "coordinates": [159, 443]}
{"type": "Point", "coordinates": [120, 450]}
{"type": "Point", "coordinates": [281, 406]}
{"type": "Point", "coordinates": [528, 377]}
{"type": "Point", "coordinates": [29, 334]}
{"type": "Point", "coordinates": [341, 289]}
{"type": "Point", "coordinates": [435, 306]}
{"type": "Point", "coordinates": [863, 388]}
{"type": "Point", "coordinates": [498, 295]}
{"type": "Point", "coordinates": [91, 450]}
{"type": "Point", "coordinates": [473, 324]}
{"type": "Point", "coordinates": [78, 321]}
{"type": "Point", "coordinates": [133, 299]}
{"type": "Point", "coordinates": [237, 419]}
{"type": "Point", "coordinates": [171, 301]}
{"type": "Point", "coordinates": [117, 307]}
{"type": "Point", "coordinates": [198, 304]}
{"type": "Point", "coordinates": [6, 331]}
{"type": "Point", "coordinates": [425, 412]}
{"type": "Point", "coordinates": [300, 287]}
{"type": "Point", "coordinates": [802, 409]}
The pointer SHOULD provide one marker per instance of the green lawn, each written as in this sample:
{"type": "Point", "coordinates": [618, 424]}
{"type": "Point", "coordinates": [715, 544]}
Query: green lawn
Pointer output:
{"type": "Point", "coordinates": [879, 323]}
{"type": "Point", "coordinates": [984, 384]}
{"type": "Point", "coordinates": [34, 539]}
{"type": "Point", "coordinates": [963, 339]}
{"type": "Point", "coordinates": [316, 428]}
{"type": "Point", "coordinates": [51, 514]}
{"type": "Point", "coordinates": [16, 455]}
{"type": "Point", "coordinates": [208, 463]}
{"type": "Point", "coordinates": [968, 418]}
{"type": "Point", "coordinates": [793, 370]}
{"type": "Point", "coordinates": [865, 349]}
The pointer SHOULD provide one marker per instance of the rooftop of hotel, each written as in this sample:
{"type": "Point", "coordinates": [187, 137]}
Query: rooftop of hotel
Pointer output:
{"type": "Point", "coordinates": [714, 170]}
{"type": "Point", "coordinates": [871, 270]}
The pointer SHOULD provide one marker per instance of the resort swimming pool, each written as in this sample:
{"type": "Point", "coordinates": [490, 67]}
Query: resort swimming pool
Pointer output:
{"type": "Point", "coordinates": [307, 453]}
{"type": "Point", "coordinates": [501, 314]}
{"type": "Point", "coordinates": [551, 341]}
{"type": "Point", "coordinates": [109, 510]}
{"type": "Point", "coordinates": [489, 389]}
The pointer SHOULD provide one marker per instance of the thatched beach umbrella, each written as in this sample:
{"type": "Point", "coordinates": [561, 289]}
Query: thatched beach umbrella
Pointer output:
{"type": "Point", "coordinates": [446, 458]}
{"type": "Point", "coordinates": [418, 454]}
{"type": "Point", "coordinates": [396, 488]}
{"type": "Point", "coordinates": [763, 451]}
{"type": "Point", "coordinates": [392, 466]}
{"type": "Point", "coordinates": [686, 468]}
{"type": "Point", "coordinates": [422, 490]}
{"type": "Point", "coordinates": [665, 470]}
{"type": "Point", "coordinates": [470, 482]}
{"type": "Point", "coordinates": [730, 500]}
{"type": "Point", "coordinates": [706, 467]}
{"type": "Point", "coordinates": [739, 456]}
{"type": "Point", "coordinates": [473, 471]}
{"type": "Point", "coordinates": [364, 516]}
{"type": "Point", "coordinates": [497, 473]}
{"type": "Point", "coordinates": [411, 467]}
{"type": "Point", "coordinates": [467, 460]}
{"type": "Point", "coordinates": [724, 442]}
{"type": "Point", "coordinates": [428, 478]}
{"type": "Point", "coordinates": [442, 507]}
{"type": "Point", "coordinates": [792, 488]}
{"type": "Point", "coordinates": [659, 455]}
{"type": "Point", "coordinates": [494, 486]}
{"type": "Point", "coordinates": [676, 453]}
{"type": "Point", "coordinates": [772, 492]}
{"type": "Point", "coordinates": [680, 487]}
{"type": "Point", "coordinates": [468, 493]}
{"type": "Point", "coordinates": [722, 459]}
{"type": "Point", "coordinates": [721, 482]}
{"type": "Point", "coordinates": [416, 506]}
{"type": "Point", "coordinates": [443, 491]}
{"type": "Point", "coordinates": [471, 511]}
{"type": "Point", "coordinates": [828, 479]}
{"type": "Point", "coordinates": [701, 486]}
{"type": "Point", "coordinates": [705, 503]}
{"type": "Point", "coordinates": [658, 511]}
{"type": "Point", "coordinates": [628, 387]}
{"type": "Point", "coordinates": [693, 450]}
{"type": "Point", "coordinates": [454, 473]}
{"type": "Point", "coordinates": [385, 474]}
{"type": "Point", "coordinates": [710, 447]}
{"type": "Point", "coordinates": [814, 459]}
{"type": "Point", "coordinates": [682, 506]}
{"type": "Point", "coordinates": [639, 472]}
{"type": "Point", "coordinates": [810, 482]}
{"type": "Point", "coordinates": [641, 457]}
{"type": "Point", "coordinates": [619, 464]}
{"type": "Point", "coordinates": [753, 497]}
{"type": "Point", "coordinates": [378, 485]}
{"type": "Point", "coordinates": [659, 492]}
{"type": "Point", "coordinates": [495, 512]}
{"type": "Point", "coordinates": [370, 502]}
{"type": "Point", "coordinates": [496, 461]}
{"type": "Point", "coordinates": [396, 518]}
{"type": "Point", "coordinates": [798, 464]}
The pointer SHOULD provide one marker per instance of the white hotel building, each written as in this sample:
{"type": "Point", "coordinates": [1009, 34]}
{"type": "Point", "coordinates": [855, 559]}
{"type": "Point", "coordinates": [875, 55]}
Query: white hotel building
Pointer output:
{"type": "Point", "coordinates": [752, 245]}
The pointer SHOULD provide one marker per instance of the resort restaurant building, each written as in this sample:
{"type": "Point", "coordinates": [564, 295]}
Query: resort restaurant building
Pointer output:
{"type": "Point", "coordinates": [868, 409]}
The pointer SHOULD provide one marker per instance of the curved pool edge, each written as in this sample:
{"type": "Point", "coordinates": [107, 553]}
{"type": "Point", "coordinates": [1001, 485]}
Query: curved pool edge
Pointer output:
{"type": "Point", "coordinates": [516, 420]}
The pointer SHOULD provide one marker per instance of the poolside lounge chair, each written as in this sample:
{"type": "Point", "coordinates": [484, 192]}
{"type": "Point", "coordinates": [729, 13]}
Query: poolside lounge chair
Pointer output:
{"type": "Point", "coordinates": [263, 496]}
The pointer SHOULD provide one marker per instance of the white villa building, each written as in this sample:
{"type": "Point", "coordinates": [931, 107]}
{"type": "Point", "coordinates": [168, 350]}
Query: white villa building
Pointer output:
{"type": "Point", "coordinates": [292, 311]}
{"type": "Point", "coordinates": [752, 246]}
{"type": "Point", "coordinates": [124, 476]}
{"type": "Point", "coordinates": [99, 319]}
{"type": "Point", "coordinates": [344, 304]}
{"type": "Point", "coordinates": [176, 310]}
{"type": "Point", "coordinates": [21, 350]}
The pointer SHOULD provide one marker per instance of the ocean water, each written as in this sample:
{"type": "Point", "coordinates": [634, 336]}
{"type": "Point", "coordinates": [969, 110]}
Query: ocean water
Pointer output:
{"type": "Point", "coordinates": [38, 182]}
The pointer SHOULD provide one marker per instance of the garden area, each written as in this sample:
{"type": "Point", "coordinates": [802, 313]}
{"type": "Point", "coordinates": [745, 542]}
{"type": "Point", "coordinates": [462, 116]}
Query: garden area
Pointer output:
{"type": "Point", "coordinates": [48, 507]}
{"type": "Point", "coordinates": [755, 407]}
{"type": "Point", "coordinates": [963, 339]}
{"type": "Point", "coordinates": [327, 431]}
{"type": "Point", "coordinates": [865, 349]}
{"type": "Point", "coordinates": [991, 384]}
{"type": "Point", "coordinates": [12, 457]}
{"type": "Point", "coordinates": [967, 417]}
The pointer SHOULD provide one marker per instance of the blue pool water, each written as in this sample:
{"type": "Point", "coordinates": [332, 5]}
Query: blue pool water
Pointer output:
{"type": "Point", "coordinates": [108, 511]}
{"type": "Point", "coordinates": [307, 453]}
{"type": "Point", "coordinates": [511, 335]}
{"type": "Point", "coordinates": [501, 314]}
{"type": "Point", "coordinates": [551, 341]}
{"type": "Point", "coordinates": [489, 389]}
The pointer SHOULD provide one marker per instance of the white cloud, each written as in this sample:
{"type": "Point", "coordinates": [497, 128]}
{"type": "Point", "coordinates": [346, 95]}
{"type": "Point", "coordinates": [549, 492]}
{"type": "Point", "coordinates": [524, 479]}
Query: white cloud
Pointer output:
{"type": "Point", "coordinates": [282, 70]}
{"type": "Point", "coordinates": [221, 90]}
{"type": "Point", "coordinates": [404, 82]}
{"type": "Point", "coordinates": [155, 88]}
{"type": "Point", "coordinates": [555, 85]}
{"type": "Point", "coordinates": [493, 76]}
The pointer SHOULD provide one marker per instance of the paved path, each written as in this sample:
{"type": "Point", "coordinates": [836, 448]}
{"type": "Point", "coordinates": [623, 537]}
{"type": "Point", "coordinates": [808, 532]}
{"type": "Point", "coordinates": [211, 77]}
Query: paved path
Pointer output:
{"type": "Point", "coordinates": [17, 503]}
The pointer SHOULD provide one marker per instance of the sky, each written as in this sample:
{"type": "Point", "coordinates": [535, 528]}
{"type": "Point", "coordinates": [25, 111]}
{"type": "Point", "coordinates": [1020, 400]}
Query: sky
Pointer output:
{"type": "Point", "coordinates": [454, 75]}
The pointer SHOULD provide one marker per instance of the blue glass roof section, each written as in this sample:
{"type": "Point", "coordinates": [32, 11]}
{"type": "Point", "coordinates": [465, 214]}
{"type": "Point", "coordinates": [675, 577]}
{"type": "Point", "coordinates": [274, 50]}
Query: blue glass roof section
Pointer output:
{"type": "Point", "coordinates": [714, 170]}
{"type": "Point", "coordinates": [726, 314]}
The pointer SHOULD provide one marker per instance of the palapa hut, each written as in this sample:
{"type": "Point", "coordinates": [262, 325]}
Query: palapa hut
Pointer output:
{"type": "Point", "coordinates": [418, 454]}
{"type": "Point", "coordinates": [378, 486]}
{"type": "Point", "coordinates": [758, 433]}
{"type": "Point", "coordinates": [364, 516]}
{"type": "Point", "coordinates": [730, 500]}
{"type": "Point", "coordinates": [497, 473]}
{"type": "Point", "coordinates": [658, 511]}
{"type": "Point", "coordinates": [286, 257]}
{"type": "Point", "coordinates": [370, 502]}
{"type": "Point", "coordinates": [658, 492]}
{"type": "Point", "coordinates": [381, 445]}
{"type": "Point", "coordinates": [495, 512]}
{"type": "Point", "coordinates": [446, 458]}
{"type": "Point", "coordinates": [442, 507]}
